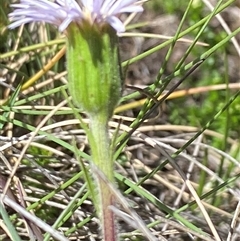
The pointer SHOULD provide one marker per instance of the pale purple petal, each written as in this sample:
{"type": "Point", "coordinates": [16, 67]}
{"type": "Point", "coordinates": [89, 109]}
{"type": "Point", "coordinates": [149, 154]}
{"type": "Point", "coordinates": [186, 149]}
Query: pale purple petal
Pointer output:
{"type": "Point", "coordinates": [88, 4]}
{"type": "Point", "coordinates": [129, 9]}
{"type": "Point", "coordinates": [62, 12]}
{"type": "Point", "coordinates": [115, 7]}
{"type": "Point", "coordinates": [116, 24]}
{"type": "Point", "coordinates": [97, 5]}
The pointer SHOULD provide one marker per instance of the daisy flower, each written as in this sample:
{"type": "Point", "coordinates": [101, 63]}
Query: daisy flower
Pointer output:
{"type": "Point", "coordinates": [63, 12]}
{"type": "Point", "coordinates": [94, 75]}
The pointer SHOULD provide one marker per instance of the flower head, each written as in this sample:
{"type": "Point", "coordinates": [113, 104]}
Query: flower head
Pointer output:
{"type": "Point", "coordinates": [62, 12]}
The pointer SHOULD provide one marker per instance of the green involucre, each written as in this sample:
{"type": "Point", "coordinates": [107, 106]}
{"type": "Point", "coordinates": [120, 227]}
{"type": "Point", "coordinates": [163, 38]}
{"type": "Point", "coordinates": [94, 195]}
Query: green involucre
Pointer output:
{"type": "Point", "coordinates": [94, 70]}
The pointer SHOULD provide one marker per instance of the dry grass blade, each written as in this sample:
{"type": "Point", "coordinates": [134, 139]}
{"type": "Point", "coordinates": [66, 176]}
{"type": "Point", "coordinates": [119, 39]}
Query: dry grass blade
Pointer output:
{"type": "Point", "coordinates": [188, 184]}
{"type": "Point", "coordinates": [37, 221]}
{"type": "Point", "coordinates": [233, 224]}
{"type": "Point", "coordinates": [121, 200]}
{"type": "Point", "coordinates": [29, 141]}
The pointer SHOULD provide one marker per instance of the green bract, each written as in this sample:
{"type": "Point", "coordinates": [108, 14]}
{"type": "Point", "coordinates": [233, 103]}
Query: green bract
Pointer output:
{"type": "Point", "coordinates": [94, 70]}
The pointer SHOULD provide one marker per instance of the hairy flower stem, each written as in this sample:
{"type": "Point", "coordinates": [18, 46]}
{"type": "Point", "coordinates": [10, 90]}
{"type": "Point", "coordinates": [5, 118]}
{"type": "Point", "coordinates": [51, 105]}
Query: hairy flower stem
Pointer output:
{"type": "Point", "coordinates": [102, 158]}
{"type": "Point", "coordinates": [95, 84]}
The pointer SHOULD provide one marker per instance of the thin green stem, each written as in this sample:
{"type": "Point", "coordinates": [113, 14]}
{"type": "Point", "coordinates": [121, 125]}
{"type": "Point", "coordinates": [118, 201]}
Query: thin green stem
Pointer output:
{"type": "Point", "coordinates": [102, 158]}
